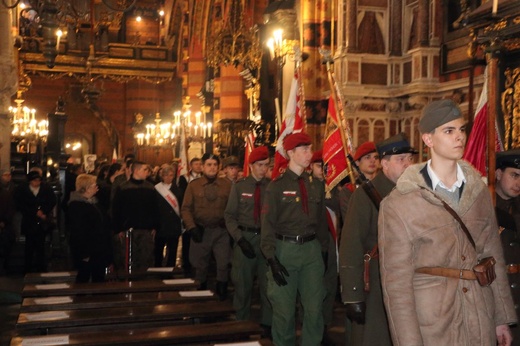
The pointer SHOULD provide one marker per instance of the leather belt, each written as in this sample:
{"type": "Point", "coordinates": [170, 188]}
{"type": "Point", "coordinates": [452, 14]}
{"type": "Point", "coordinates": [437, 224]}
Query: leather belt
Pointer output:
{"type": "Point", "coordinates": [513, 268]}
{"type": "Point", "coordinates": [255, 230]}
{"type": "Point", "coordinates": [296, 239]}
{"type": "Point", "coordinates": [463, 274]}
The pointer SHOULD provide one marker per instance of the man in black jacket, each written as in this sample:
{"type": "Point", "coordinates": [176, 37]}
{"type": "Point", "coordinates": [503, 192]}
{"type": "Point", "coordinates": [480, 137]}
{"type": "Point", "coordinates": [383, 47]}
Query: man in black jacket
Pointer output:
{"type": "Point", "coordinates": [36, 202]}
{"type": "Point", "coordinates": [134, 209]}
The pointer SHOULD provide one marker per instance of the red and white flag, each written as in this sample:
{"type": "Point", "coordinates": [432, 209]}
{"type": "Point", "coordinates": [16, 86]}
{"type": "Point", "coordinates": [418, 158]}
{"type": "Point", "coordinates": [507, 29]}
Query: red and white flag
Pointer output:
{"type": "Point", "coordinates": [182, 169]}
{"type": "Point", "coordinates": [249, 146]}
{"type": "Point", "coordinates": [476, 146]}
{"type": "Point", "coordinates": [293, 122]}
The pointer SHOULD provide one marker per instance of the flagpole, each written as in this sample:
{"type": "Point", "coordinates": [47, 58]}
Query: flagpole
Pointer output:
{"type": "Point", "coordinates": [345, 138]}
{"type": "Point", "coordinates": [491, 120]}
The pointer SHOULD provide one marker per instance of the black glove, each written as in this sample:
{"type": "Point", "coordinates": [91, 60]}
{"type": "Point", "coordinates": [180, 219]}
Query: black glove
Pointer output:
{"type": "Point", "coordinates": [356, 312]}
{"type": "Point", "coordinates": [278, 271]}
{"type": "Point", "coordinates": [325, 256]}
{"type": "Point", "coordinates": [197, 233]}
{"type": "Point", "coordinates": [247, 249]}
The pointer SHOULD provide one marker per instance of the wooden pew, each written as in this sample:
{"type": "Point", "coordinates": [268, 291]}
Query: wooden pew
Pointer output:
{"type": "Point", "coordinates": [45, 290]}
{"type": "Point", "coordinates": [67, 321]}
{"type": "Point", "coordinates": [70, 276]}
{"type": "Point", "coordinates": [229, 331]}
{"type": "Point", "coordinates": [109, 300]}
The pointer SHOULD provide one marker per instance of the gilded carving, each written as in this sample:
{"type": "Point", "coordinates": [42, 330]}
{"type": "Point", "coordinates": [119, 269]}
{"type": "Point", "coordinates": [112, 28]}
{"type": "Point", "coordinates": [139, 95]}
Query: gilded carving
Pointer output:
{"type": "Point", "coordinates": [511, 108]}
{"type": "Point", "coordinates": [496, 26]}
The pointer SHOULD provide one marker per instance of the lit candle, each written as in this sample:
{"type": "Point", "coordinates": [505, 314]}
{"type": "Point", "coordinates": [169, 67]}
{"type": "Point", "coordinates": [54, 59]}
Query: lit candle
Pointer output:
{"type": "Point", "coordinates": [495, 7]}
{"type": "Point", "coordinates": [210, 125]}
{"type": "Point", "coordinates": [197, 118]}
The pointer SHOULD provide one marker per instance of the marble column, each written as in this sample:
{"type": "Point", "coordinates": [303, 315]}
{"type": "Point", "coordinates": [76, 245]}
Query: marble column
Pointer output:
{"type": "Point", "coordinates": [8, 84]}
{"type": "Point", "coordinates": [396, 27]}
{"type": "Point", "coordinates": [351, 43]}
{"type": "Point", "coordinates": [423, 23]}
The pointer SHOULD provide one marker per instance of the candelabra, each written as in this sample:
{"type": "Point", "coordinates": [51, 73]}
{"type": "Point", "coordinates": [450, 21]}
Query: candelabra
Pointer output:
{"type": "Point", "coordinates": [25, 128]}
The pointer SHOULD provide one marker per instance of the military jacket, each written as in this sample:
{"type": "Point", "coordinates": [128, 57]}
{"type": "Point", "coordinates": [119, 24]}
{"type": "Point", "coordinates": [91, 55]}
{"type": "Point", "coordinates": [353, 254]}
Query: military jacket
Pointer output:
{"type": "Point", "coordinates": [282, 211]}
{"type": "Point", "coordinates": [204, 202]}
{"type": "Point", "coordinates": [240, 208]}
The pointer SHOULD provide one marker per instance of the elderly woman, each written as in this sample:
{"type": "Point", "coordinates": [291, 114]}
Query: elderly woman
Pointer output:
{"type": "Point", "coordinates": [169, 199]}
{"type": "Point", "coordinates": [90, 240]}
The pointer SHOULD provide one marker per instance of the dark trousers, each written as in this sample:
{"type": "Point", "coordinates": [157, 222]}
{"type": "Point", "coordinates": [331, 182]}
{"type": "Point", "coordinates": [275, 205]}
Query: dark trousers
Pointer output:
{"type": "Point", "coordinates": [186, 265]}
{"type": "Point", "coordinates": [35, 252]}
{"type": "Point", "coordinates": [171, 245]}
{"type": "Point", "coordinates": [91, 269]}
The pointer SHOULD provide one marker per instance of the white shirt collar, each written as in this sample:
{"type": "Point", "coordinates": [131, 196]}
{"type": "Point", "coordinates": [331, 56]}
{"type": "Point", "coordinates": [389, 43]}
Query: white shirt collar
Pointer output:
{"type": "Point", "coordinates": [436, 181]}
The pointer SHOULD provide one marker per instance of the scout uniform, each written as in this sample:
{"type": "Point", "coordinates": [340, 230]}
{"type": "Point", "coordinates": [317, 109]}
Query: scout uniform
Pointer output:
{"type": "Point", "coordinates": [203, 208]}
{"type": "Point", "coordinates": [294, 235]}
{"type": "Point", "coordinates": [243, 212]}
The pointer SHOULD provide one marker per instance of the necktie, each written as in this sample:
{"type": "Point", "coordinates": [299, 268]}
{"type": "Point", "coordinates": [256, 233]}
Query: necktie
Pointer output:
{"type": "Point", "coordinates": [303, 192]}
{"type": "Point", "coordinates": [258, 203]}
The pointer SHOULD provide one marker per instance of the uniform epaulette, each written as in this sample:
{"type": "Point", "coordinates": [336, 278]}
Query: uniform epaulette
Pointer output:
{"type": "Point", "coordinates": [278, 177]}
{"type": "Point", "coordinates": [240, 180]}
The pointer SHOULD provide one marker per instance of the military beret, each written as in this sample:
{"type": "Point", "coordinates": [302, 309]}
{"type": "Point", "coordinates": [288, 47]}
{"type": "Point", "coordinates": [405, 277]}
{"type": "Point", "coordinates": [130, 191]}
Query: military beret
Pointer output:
{"type": "Point", "coordinates": [209, 156]}
{"type": "Point", "coordinates": [510, 158]}
{"type": "Point", "coordinates": [230, 161]}
{"type": "Point", "coordinates": [33, 175]}
{"type": "Point", "coordinates": [295, 140]}
{"type": "Point", "coordinates": [317, 156]}
{"type": "Point", "coordinates": [438, 113]}
{"type": "Point", "coordinates": [394, 145]}
{"type": "Point", "coordinates": [258, 154]}
{"type": "Point", "coordinates": [364, 149]}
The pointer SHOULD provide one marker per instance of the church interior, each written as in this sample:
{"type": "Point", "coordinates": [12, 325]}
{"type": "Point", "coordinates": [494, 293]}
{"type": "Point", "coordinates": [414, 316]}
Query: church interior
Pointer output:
{"type": "Point", "coordinates": [96, 80]}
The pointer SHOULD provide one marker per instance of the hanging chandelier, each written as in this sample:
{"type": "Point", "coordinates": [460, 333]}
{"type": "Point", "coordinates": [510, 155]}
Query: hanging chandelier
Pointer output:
{"type": "Point", "coordinates": [233, 43]}
{"type": "Point", "coordinates": [24, 124]}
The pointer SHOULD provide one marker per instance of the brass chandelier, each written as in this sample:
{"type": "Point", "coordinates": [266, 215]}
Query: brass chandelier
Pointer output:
{"type": "Point", "coordinates": [233, 43]}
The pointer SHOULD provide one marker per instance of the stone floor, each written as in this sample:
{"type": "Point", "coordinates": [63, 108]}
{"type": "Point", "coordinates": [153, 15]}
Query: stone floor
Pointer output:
{"type": "Point", "coordinates": [11, 286]}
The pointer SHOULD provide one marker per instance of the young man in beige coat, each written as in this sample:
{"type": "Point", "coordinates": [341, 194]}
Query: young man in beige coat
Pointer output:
{"type": "Point", "coordinates": [447, 306]}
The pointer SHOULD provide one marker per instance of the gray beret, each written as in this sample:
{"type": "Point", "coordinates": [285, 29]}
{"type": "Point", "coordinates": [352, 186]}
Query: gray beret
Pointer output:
{"type": "Point", "coordinates": [438, 113]}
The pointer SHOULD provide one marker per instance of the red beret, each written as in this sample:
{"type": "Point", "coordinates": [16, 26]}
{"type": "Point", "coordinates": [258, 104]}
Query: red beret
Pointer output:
{"type": "Point", "coordinates": [364, 149]}
{"type": "Point", "coordinates": [258, 154]}
{"type": "Point", "coordinates": [295, 140]}
{"type": "Point", "coordinates": [317, 156]}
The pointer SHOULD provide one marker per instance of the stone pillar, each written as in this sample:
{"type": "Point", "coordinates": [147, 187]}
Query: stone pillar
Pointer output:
{"type": "Point", "coordinates": [56, 138]}
{"type": "Point", "coordinates": [423, 23]}
{"type": "Point", "coordinates": [396, 26]}
{"type": "Point", "coordinates": [351, 23]}
{"type": "Point", "coordinates": [8, 84]}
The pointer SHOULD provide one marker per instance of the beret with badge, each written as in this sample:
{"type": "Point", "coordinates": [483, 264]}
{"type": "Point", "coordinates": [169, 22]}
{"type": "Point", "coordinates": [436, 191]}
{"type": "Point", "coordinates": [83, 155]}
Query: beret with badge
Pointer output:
{"type": "Point", "coordinates": [296, 140]}
{"type": "Point", "coordinates": [317, 156]}
{"type": "Point", "coordinates": [365, 149]}
{"type": "Point", "coordinates": [438, 113]}
{"type": "Point", "coordinates": [230, 161]}
{"type": "Point", "coordinates": [209, 156]}
{"type": "Point", "coordinates": [258, 154]}
{"type": "Point", "coordinates": [397, 144]}
{"type": "Point", "coordinates": [510, 158]}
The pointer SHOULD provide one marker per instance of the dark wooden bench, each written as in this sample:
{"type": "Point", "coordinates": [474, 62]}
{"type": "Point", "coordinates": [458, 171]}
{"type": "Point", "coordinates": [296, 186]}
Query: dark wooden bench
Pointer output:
{"type": "Point", "coordinates": [67, 321]}
{"type": "Point", "coordinates": [229, 331]}
{"type": "Point", "coordinates": [107, 300]}
{"type": "Point", "coordinates": [70, 276]}
{"type": "Point", "coordinates": [60, 289]}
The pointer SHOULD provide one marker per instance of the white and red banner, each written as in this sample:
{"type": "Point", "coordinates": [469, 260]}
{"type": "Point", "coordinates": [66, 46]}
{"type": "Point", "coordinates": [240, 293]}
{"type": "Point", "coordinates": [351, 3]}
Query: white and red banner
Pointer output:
{"type": "Point", "coordinates": [293, 122]}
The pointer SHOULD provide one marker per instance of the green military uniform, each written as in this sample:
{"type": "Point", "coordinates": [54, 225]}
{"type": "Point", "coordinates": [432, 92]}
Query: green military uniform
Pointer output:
{"type": "Point", "coordinates": [203, 205]}
{"type": "Point", "coordinates": [240, 223]}
{"type": "Point", "coordinates": [359, 236]}
{"type": "Point", "coordinates": [305, 237]}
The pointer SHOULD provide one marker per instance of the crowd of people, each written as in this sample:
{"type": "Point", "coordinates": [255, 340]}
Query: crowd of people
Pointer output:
{"type": "Point", "coordinates": [400, 242]}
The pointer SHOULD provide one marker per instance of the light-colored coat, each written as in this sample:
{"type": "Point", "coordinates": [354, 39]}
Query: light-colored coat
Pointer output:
{"type": "Point", "coordinates": [416, 231]}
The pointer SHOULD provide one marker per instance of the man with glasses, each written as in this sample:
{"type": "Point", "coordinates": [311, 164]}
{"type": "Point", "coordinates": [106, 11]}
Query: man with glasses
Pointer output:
{"type": "Point", "coordinates": [134, 210]}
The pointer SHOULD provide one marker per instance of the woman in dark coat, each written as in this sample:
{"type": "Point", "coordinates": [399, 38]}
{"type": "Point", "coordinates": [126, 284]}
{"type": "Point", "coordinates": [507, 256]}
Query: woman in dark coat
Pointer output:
{"type": "Point", "coordinates": [90, 240]}
{"type": "Point", "coordinates": [169, 199]}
